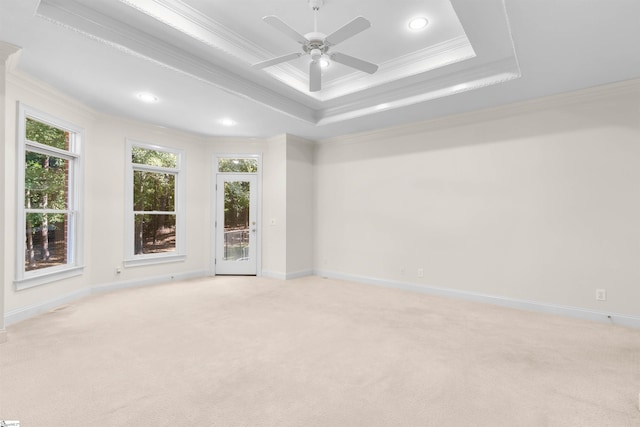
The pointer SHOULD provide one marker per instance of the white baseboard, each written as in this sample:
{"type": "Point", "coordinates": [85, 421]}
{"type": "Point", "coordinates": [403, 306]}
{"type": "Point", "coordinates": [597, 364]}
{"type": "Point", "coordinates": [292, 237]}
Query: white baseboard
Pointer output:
{"type": "Point", "coordinates": [148, 281]}
{"type": "Point", "coordinates": [286, 276]}
{"type": "Point", "coordinates": [298, 274]}
{"type": "Point", "coordinates": [3, 336]}
{"type": "Point", "coordinates": [274, 275]}
{"type": "Point", "coordinates": [576, 312]}
{"type": "Point", "coordinates": [25, 313]}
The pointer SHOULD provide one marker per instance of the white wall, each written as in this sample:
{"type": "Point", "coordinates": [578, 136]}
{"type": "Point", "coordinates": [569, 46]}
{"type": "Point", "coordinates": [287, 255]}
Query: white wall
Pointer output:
{"type": "Point", "coordinates": [537, 202]}
{"type": "Point", "coordinates": [234, 146]}
{"type": "Point", "coordinates": [35, 95]}
{"type": "Point", "coordinates": [104, 201]}
{"type": "Point", "coordinates": [287, 225]}
{"type": "Point", "coordinates": [274, 207]}
{"type": "Point", "coordinates": [299, 206]}
{"type": "Point", "coordinates": [7, 56]}
{"type": "Point", "coordinates": [104, 195]}
{"type": "Point", "coordinates": [105, 186]}
{"type": "Point", "coordinates": [274, 194]}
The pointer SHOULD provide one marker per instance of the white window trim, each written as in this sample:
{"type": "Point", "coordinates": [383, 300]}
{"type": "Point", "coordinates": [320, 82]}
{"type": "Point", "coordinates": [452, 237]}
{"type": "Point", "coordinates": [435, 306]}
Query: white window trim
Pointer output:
{"type": "Point", "coordinates": [75, 266]}
{"type": "Point", "coordinates": [132, 260]}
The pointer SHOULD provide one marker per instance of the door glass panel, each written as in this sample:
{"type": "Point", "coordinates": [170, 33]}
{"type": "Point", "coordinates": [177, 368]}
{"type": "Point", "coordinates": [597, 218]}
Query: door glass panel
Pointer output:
{"type": "Point", "coordinates": [236, 220]}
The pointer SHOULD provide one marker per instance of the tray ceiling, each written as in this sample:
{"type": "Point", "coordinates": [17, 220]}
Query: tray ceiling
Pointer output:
{"type": "Point", "coordinates": [218, 42]}
{"type": "Point", "coordinates": [197, 55]}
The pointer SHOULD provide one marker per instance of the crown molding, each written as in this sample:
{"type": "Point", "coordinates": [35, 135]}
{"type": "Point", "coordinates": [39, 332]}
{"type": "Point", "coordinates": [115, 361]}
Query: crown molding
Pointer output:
{"type": "Point", "coordinates": [9, 55]}
{"type": "Point", "coordinates": [420, 62]}
{"type": "Point", "coordinates": [132, 41]}
{"type": "Point", "coordinates": [295, 139]}
{"type": "Point", "coordinates": [48, 93]}
{"type": "Point", "coordinates": [200, 27]}
{"type": "Point", "coordinates": [426, 90]}
{"type": "Point", "coordinates": [439, 70]}
{"type": "Point", "coordinates": [579, 97]}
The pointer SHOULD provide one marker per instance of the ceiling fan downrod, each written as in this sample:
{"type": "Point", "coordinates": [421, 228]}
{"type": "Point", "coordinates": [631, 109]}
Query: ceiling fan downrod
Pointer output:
{"type": "Point", "coordinates": [315, 6]}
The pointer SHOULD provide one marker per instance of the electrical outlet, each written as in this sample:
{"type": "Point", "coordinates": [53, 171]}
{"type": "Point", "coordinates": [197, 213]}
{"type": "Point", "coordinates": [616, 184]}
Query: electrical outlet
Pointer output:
{"type": "Point", "coordinates": [421, 272]}
{"type": "Point", "coordinates": [601, 295]}
{"type": "Point", "coordinates": [118, 270]}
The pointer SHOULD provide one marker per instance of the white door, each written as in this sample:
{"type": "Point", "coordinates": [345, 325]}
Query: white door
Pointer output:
{"type": "Point", "coordinates": [236, 224]}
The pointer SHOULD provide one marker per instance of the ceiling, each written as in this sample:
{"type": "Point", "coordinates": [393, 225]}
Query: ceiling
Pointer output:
{"type": "Point", "coordinates": [196, 57]}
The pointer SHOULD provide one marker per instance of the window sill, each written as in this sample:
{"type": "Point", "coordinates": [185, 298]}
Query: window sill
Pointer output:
{"type": "Point", "coordinates": [150, 260]}
{"type": "Point", "coordinates": [47, 277]}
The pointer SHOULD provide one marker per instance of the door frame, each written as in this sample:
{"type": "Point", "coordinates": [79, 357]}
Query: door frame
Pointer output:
{"type": "Point", "coordinates": [214, 206]}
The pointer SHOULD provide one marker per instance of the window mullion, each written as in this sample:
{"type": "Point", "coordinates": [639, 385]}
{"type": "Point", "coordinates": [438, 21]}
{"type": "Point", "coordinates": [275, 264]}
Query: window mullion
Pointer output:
{"type": "Point", "coordinates": [49, 151]}
{"type": "Point", "coordinates": [155, 212]}
{"type": "Point", "coordinates": [157, 169]}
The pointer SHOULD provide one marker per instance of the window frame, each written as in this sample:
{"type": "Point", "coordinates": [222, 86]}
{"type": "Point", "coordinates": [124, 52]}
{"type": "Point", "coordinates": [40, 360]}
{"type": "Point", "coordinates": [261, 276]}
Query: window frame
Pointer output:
{"type": "Point", "coordinates": [131, 259]}
{"type": "Point", "coordinates": [75, 231]}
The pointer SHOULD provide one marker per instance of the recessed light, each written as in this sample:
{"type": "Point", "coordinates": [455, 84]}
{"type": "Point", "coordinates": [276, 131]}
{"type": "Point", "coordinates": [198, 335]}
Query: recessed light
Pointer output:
{"type": "Point", "coordinates": [418, 23]}
{"type": "Point", "coordinates": [147, 97]}
{"type": "Point", "coordinates": [227, 122]}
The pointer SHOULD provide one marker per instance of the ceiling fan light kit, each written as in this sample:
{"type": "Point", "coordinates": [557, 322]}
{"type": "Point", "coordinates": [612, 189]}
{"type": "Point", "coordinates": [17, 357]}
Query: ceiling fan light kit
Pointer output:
{"type": "Point", "coordinates": [317, 44]}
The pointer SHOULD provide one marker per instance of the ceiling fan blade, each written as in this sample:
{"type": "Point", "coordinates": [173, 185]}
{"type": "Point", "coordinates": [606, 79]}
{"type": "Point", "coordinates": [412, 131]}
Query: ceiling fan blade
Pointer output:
{"type": "Point", "coordinates": [277, 60]}
{"type": "Point", "coordinates": [353, 62]}
{"type": "Point", "coordinates": [348, 30]}
{"type": "Point", "coordinates": [280, 25]}
{"type": "Point", "coordinates": [315, 79]}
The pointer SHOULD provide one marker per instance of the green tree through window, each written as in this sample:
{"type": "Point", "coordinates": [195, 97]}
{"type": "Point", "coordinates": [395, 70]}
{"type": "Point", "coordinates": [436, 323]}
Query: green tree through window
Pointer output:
{"type": "Point", "coordinates": [238, 165]}
{"type": "Point", "coordinates": [154, 200]}
{"type": "Point", "coordinates": [46, 197]}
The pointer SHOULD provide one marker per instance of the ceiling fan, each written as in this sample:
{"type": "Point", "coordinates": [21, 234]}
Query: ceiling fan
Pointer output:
{"type": "Point", "coordinates": [316, 44]}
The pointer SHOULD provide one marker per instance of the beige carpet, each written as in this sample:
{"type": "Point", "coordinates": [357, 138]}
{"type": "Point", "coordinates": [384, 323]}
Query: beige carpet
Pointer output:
{"type": "Point", "coordinates": [312, 352]}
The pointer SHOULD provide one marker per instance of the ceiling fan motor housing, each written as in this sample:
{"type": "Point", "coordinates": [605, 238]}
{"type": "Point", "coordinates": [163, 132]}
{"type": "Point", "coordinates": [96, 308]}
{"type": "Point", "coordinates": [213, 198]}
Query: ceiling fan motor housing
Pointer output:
{"type": "Point", "coordinates": [315, 46]}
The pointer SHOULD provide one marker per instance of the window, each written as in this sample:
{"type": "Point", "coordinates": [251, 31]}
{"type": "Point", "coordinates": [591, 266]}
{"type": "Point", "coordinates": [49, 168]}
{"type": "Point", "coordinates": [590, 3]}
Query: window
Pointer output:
{"type": "Point", "coordinates": [155, 232]}
{"type": "Point", "coordinates": [232, 164]}
{"type": "Point", "coordinates": [49, 217]}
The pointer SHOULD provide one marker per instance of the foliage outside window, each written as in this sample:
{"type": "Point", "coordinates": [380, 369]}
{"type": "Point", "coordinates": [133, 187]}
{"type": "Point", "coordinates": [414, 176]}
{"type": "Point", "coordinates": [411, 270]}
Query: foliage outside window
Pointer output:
{"type": "Point", "coordinates": [236, 193]}
{"type": "Point", "coordinates": [155, 177]}
{"type": "Point", "coordinates": [237, 165]}
{"type": "Point", "coordinates": [48, 214]}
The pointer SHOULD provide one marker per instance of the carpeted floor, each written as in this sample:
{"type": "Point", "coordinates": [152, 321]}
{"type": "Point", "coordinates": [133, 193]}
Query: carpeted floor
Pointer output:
{"type": "Point", "coordinates": [238, 351]}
